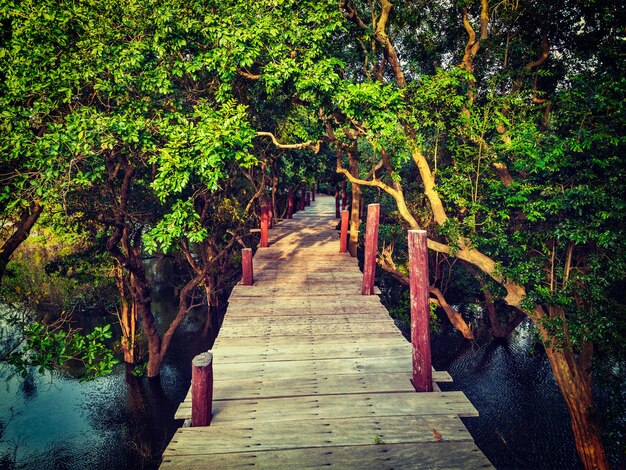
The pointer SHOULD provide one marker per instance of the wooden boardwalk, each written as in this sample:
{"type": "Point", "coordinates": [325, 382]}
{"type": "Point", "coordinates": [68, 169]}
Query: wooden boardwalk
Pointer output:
{"type": "Point", "coordinates": [309, 373]}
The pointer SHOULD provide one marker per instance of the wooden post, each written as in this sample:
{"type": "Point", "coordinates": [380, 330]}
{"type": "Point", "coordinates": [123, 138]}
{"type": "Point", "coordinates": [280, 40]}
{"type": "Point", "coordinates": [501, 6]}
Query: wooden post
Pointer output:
{"type": "Point", "coordinates": [337, 212]}
{"type": "Point", "coordinates": [308, 198]}
{"type": "Point", "coordinates": [290, 204]}
{"type": "Point", "coordinates": [344, 195]}
{"type": "Point", "coordinates": [270, 216]}
{"type": "Point", "coordinates": [313, 191]}
{"type": "Point", "coordinates": [265, 216]}
{"type": "Point", "coordinates": [202, 389]}
{"type": "Point", "coordinates": [420, 311]}
{"type": "Point", "coordinates": [302, 197]}
{"type": "Point", "coordinates": [343, 241]}
{"type": "Point", "coordinates": [371, 247]}
{"type": "Point", "coordinates": [246, 267]}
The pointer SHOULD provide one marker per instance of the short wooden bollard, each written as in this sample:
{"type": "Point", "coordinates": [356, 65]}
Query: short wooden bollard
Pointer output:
{"type": "Point", "coordinates": [344, 195]}
{"type": "Point", "coordinates": [420, 311]}
{"type": "Point", "coordinates": [371, 247]}
{"type": "Point", "coordinates": [265, 224]}
{"type": "Point", "coordinates": [343, 241]}
{"type": "Point", "coordinates": [247, 276]}
{"type": "Point", "coordinates": [302, 198]}
{"type": "Point", "coordinates": [202, 389]}
{"type": "Point", "coordinates": [290, 204]}
{"type": "Point", "coordinates": [337, 210]}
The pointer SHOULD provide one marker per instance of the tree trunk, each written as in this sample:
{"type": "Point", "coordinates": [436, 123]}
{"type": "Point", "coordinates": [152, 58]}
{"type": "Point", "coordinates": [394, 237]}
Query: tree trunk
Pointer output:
{"type": "Point", "coordinates": [22, 229]}
{"type": "Point", "coordinates": [127, 318]}
{"type": "Point", "coordinates": [578, 396]}
{"type": "Point", "coordinates": [455, 317]}
{"type": "Point", "coordinates": [355, 207]}
{"type": "Point", "coordinates": [141, 295]}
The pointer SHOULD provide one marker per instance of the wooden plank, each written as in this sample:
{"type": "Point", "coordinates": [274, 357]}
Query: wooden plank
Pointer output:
{"type": "Point", "coordinates": [258, 436]}
{"type": "Point", "coordinates": [319, 341]}
{"type": "Point", "coordinates": [341, 406]}
{"type": "Point", "coordinates": [322, 367]}
{"type": "Point", "coordinates": [302, 351]}
{"type": "Point", "coordinates": [328, 385]}
{"type": "Point", "coordinates": [269, 319]}
{"type": "Point", "coordinates": [407, 456]}
{"type": "Point", "coordinates": [238, 331]}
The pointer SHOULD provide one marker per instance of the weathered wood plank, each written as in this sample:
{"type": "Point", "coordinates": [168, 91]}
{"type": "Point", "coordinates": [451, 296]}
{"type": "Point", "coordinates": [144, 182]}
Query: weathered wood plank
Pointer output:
{"type": "Point", "coordinates": [377, 327]}
{"type": "Point", "coordinates": [258, 436]}
{"type": "Point", "coordinates": [319, 341]}
{"type": "Point", "coordinates": [329, 385]}
{"type": "Point", "coordinates": [341, 406]}
{"type": "Point", "coordinates": [322, 367]}
{"type": "Point", "coordinates": [411, 456]}
{"type": "Point", "coordinates": [231, 354]}
{"type": "Point", "coordinates": [312, 319]}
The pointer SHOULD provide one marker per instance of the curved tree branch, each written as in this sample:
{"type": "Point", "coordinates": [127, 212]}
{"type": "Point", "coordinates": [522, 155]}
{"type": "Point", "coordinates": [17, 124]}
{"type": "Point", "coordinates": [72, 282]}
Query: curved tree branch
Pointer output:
{"type": "Point", "coordinates": [313, 145]}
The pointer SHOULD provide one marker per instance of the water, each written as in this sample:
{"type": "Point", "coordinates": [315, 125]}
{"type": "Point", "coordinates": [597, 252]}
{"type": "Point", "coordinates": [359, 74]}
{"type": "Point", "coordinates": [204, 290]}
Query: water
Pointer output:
{"type": "Point", "coordinates": [53, 421]}
{"type": "Point", "coordinates": [524, 422]}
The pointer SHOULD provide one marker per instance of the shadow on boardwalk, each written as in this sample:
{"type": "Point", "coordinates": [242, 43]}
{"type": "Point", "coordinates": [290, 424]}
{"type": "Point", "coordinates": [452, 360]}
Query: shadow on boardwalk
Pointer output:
{"type": "Point", "coordinates": [309, 373]}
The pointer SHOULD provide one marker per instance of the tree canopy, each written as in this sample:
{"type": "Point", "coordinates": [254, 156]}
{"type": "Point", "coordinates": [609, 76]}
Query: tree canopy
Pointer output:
{"type": "Point", "coordinates": [498, 127]}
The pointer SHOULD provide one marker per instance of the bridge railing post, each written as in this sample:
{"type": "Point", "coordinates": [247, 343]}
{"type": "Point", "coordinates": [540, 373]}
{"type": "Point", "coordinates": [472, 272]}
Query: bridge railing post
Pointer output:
{"type": "Point", "coordinates": [302, 198]}
{"type": "Point", "coordinates": [265, 213]}
{"type": "Point", "coordinates": [308, 198]}
{"type": "Point", "coordinates": [246, 267]}
{"type": "Point", "coordinates": [343, 241]}
{"type": "Point", "coordinates": [313, 191]}
{"type": "Point", "coordinates": [420, 311]}
{"type": "Point", "coordinates": [371, 247]}
{"type": "Point", "coordinates": [202, 389]}
{"type": "Point", "coordinates": [270, 217]}
{"type": "Point", "coordinates": [290, 204]}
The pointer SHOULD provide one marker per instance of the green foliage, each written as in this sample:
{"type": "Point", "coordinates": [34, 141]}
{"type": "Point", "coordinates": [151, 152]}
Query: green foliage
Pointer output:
{"type": "Point", "coordinates": [48, 350]}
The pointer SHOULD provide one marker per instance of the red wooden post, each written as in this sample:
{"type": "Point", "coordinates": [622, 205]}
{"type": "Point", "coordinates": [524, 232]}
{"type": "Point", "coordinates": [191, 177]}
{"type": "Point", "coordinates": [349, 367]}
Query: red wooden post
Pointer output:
{"type": "Point", "coordinates": [202, 389]}
{"type": "Point", "coordinates": [371, 247]}
{"type": "Point", "coordinates": [302, 198]}
{"type": "Point", "coordinates": [337, 213]}
{"type": "Point", "coordinates": [265, 223]}
{"type": "Point", "coordinates": [270, 217]}
{"type": "Point", "coordinates": [343, 241]}
{"type": "Point", "coordinates": [420, 311]}
{"type": "Point", "coordinates": [290, 204]}
{"type": "Point", "coordinates": [344, 195]}
{"type": "Point", "coordinates": [246, 267]}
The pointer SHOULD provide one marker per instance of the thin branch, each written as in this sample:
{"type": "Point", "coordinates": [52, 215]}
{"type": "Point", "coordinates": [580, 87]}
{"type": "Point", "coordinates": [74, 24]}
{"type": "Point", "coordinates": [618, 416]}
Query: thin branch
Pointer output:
{"type": "Point", "coordinates": [313, 145]}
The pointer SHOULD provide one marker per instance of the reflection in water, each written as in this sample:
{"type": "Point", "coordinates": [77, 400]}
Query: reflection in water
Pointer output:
{"type": "Point", "coordinates": [524, 422]}
{"type": "Point", "coordinates": [115, 422]}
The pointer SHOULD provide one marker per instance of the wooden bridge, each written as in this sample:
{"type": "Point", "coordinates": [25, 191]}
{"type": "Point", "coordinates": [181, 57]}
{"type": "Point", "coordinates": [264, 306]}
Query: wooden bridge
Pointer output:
{"type": "Point", "coordinates": [310, 373]}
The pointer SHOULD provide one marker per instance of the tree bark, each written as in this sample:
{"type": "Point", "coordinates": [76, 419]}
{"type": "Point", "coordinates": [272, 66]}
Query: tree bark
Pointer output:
{"type": "Point", "coordinates": [21, 230]}
{"type": "Point", "coordinates": [355, 206]}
